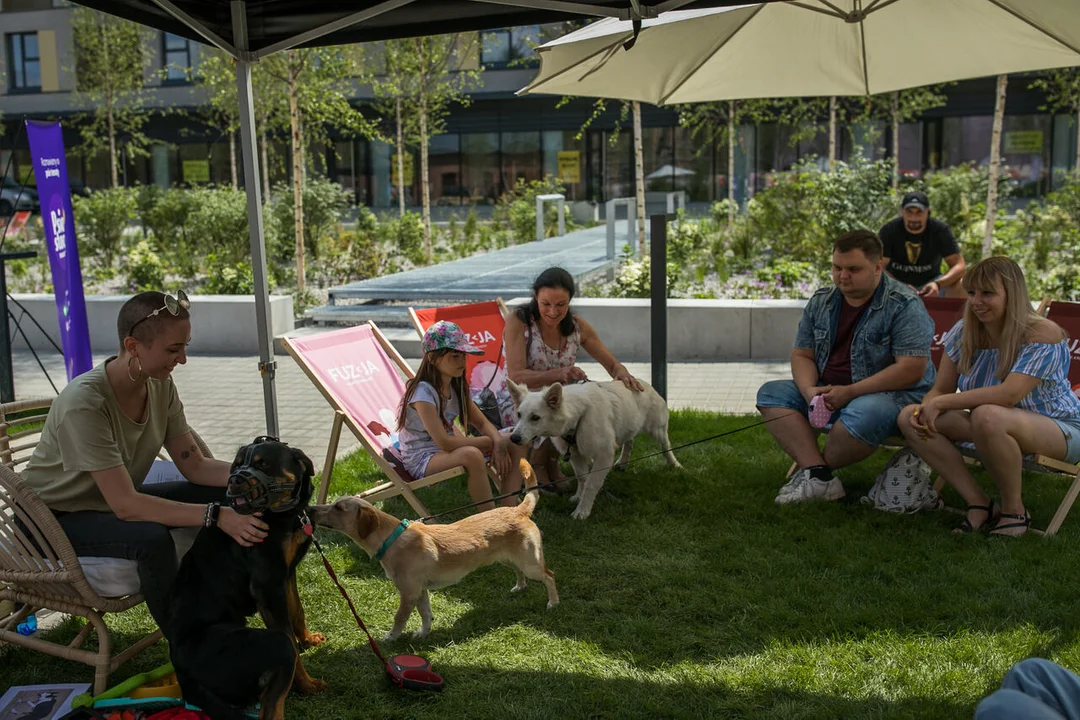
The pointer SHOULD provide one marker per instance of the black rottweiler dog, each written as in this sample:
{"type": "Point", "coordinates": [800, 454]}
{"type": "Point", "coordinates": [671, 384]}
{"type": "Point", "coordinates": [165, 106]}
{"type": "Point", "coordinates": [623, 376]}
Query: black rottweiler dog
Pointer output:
{"type": "Point", "coordinates": [224, 666]}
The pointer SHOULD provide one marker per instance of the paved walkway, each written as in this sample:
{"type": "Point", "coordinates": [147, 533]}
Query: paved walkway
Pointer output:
{"type": "Point", "coordinates": [503, 273]}
{"type": "Point", "coordinates": [223, 395]}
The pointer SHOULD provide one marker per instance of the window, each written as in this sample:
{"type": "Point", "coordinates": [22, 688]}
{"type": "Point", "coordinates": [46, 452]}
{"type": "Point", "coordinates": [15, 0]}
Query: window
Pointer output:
{"type": "Point", "coordinates": [25, 62]}
{"type": "Point", "coordinates": [176, 58]}
{"type": "Point", "coordinates": [510, 47]}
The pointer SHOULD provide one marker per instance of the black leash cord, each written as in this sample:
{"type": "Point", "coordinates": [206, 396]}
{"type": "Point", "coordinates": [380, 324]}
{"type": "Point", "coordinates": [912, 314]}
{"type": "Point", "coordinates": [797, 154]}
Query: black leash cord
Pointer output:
{"type": "Point", "coordinates": [574, 477]}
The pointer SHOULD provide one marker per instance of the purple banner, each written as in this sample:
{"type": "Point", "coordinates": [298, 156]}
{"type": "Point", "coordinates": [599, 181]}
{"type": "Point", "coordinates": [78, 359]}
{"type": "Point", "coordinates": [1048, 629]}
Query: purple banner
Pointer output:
{"type": "Point", "coordinates": [50, 171]}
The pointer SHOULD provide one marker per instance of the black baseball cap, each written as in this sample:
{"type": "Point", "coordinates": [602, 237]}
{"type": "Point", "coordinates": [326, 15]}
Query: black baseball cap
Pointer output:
{"type": "Point", "coordinates": [916, 199]}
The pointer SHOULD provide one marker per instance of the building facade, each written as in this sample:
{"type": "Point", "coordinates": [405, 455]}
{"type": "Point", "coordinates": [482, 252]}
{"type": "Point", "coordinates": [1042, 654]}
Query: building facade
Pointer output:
{"type": "Point", "coordinates": [500, 139]}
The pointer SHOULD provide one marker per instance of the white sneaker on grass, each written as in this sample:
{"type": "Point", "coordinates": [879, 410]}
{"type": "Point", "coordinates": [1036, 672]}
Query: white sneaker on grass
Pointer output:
{"type": "Point", "coordinates": [811, 489]}
{"type": "Point", "coordinates": [797, 478]}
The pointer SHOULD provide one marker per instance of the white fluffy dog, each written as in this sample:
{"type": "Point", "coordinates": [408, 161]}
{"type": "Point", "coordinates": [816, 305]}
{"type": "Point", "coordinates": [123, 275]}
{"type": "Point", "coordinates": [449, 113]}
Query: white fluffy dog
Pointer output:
{"type": "Point", "coordinates": [593, 419]}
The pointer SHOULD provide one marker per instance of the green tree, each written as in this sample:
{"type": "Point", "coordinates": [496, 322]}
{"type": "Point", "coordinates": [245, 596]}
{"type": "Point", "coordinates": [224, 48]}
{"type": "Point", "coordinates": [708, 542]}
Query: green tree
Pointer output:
{"type": "Point", "coordinates": [434, 73]}
{"type": "Point", "coordinates": [316, 83]}
{"type": "Point", "coordinates": [391, 87]}
{"type": "Point", "coordinates": [715, 124]}
{"type": "Point", "coordinates": [1062, 88]}
{"type": "Point", "coordinates": [217, 73]}
{"type": "Point", "coordinates": [112, 58]}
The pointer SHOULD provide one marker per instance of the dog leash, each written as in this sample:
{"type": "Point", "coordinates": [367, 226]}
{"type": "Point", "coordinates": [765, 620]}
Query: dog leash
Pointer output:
{"type": "Point", "coordinates": [407, 671]}
{"type": "Point", "coordinates": [540, 486]}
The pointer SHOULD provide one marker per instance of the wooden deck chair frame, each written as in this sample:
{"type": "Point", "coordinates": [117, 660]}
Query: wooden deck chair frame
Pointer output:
{"type": "Point", "coordinates": [49, 575]}
{"type": "Point", "coordinates": [395, 485]}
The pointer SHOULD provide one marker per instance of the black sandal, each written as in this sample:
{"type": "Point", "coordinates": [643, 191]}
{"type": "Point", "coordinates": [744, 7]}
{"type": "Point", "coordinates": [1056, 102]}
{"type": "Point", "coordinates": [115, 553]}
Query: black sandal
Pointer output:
{"type": "Point", "coordinates": [1022, 521]}
{"type": "Point", "coordinates": [966, 527]}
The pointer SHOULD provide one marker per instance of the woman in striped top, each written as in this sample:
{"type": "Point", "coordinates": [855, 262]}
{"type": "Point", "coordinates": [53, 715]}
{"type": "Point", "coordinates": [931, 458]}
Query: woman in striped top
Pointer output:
{"type": "Point", "coordinates": [1011, 369]}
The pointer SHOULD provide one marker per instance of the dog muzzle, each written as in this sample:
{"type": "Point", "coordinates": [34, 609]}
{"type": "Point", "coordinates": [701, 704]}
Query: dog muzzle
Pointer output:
{"type": "Point", "coordinates": [251, 490]}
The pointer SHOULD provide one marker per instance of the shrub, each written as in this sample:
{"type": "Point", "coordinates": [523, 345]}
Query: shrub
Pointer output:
{"type": "Point", "coordinates": [324, 202]}
{"type": "Point", "coordinates": [218, 224]}
{"type": "Point", "coordinates": [145, 270]}
{"type": "Point", "coordinates": [958, 198]}
{"type": "Point", "coordinates": [168, 222]}
{"type": "Point", "coordinates": [228, 278]}
{"type": "Point", "coordinates": [146, 199]}
{"type": "Point", "coordinates": [404, 236]}
{"type": "Point", "coordinates": [516, 210]}
{"type": "Point", "coordinates": [100, 221]}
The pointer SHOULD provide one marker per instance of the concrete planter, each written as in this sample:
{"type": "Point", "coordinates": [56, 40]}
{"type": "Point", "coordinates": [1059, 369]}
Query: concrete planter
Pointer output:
{"type": "Point", "coordinates": [220, 324]}
{"type": "Point", "coordinates": [698, 330]}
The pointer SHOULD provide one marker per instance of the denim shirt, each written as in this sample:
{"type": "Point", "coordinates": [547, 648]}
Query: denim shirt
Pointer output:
{"type": "Point", "coordinates": [896, 324]}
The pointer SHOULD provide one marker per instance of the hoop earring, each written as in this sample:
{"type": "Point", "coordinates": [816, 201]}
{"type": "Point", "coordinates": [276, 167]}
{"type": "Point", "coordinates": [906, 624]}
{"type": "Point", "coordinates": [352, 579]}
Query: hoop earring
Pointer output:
{"type": "Point", "coordinates": [134, 379]}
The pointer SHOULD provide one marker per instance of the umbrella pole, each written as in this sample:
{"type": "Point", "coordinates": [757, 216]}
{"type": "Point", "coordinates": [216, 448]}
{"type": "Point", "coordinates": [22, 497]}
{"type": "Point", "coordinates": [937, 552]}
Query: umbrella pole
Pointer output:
{"type": "Point", "coordinates": [252, 186]}
{"type": "Point", "coordinates": [658, 291]}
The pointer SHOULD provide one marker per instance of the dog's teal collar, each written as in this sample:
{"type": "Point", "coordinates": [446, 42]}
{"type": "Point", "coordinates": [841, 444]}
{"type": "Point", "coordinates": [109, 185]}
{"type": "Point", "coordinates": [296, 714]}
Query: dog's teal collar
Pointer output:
{"type": "Point", "coordinates": [390, 540]}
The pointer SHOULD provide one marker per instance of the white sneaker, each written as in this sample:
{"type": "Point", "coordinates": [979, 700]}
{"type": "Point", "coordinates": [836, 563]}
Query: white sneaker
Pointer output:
{"type": "Point", "coordinates": [797, 478]}
{"type": "Point", "coordinates": [812, 489]}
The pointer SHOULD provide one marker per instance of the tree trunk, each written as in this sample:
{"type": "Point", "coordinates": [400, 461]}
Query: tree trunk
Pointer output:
{"type": "Point", "coordinates": [297, 166]}
{"type": "Point", "coordinates": [110, 114]}
{"type": "Point", "coordinates": [425, 186]}
{"type": "Point", "coordinates": [265, 152]}
{"type": "Point", "coordinates": [400, 158]}
{"type": "Point", "coordinates": [232, 159]}
{"type": "Point", "coordinates": [425, 196]}
{"type": "Point", "coordinates": [896, 141]}
{"type": "Point", "coordinates": [832, 132]}
{"type": "Point", "coordinates": [1076, 164]}
{"type": "Point", "coordinates": [731, 165]}
{"type": "Point", "coordinates": [113, 170]}
{"type": "Point", "coordinates": [639, 177]}
{"type": "Point", "coordinates": [995, 167]}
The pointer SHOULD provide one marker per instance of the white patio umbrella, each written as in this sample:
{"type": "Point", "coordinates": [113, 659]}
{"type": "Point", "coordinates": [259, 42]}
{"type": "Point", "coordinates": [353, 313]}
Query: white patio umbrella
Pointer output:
{"type": "Point", "coordinates": [668, 171]}
{"type": "Point", "coordinates": [809, 48]}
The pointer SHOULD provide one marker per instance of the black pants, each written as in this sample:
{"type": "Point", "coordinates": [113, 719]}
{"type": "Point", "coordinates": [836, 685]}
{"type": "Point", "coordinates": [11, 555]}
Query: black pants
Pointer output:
{"type": "Point", "coordinates": [102, 534]}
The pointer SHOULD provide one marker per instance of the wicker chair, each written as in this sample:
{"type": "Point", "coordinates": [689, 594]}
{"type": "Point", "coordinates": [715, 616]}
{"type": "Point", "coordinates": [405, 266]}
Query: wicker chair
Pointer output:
{"type": "Point", "coordinates": [38, 566]}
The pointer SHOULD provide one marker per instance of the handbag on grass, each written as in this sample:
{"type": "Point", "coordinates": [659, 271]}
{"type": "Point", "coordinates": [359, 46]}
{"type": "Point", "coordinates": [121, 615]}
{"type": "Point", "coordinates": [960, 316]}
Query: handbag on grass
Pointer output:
{"type": "Point", "coordinates": [904, 486]}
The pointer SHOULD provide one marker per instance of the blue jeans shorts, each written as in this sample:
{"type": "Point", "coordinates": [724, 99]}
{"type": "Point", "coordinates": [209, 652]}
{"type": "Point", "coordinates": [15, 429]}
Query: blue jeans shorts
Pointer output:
{"type": "Point", "coordinates": [870, 419]}
{"type": "Point", "coordinates": [1071, 428]}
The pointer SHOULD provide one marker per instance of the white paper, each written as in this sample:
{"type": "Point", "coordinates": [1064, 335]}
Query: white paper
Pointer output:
{"type": "Point", "coordinates": [39, 702]}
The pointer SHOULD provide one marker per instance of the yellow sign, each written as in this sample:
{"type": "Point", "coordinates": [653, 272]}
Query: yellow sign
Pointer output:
{"type": "Point", "coordinates": [1024, 141]}
{"type": "Point", "coordinates": [196, 171]}
{"type": "Point", "coordinates": [26, 172]}
{"type": "Point", "coordinates": [570, 166]}
{"type": "Point", "coordinates": [407, 161]}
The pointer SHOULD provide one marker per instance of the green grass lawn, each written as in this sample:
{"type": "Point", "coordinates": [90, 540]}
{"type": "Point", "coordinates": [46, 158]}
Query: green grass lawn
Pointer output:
{"type": "Point", "coordinates": [692, 595]}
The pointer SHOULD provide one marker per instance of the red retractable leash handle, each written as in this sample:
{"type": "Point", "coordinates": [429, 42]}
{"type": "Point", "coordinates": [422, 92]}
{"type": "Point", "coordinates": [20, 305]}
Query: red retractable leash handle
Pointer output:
{"type": "Point", "coordinates": [411, 672]}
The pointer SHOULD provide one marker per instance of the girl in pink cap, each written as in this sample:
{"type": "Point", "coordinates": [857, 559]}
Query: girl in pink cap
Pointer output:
{"type": "Point", "coordinates": [432, 403]}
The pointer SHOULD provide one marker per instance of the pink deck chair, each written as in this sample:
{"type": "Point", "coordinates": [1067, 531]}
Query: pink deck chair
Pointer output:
{"type": "Point", "coordinates": [363, 378]}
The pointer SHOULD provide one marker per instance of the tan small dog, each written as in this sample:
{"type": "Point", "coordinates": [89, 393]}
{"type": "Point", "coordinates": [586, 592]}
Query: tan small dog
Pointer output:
{"type": "Point", "coordinates": [428, 557]}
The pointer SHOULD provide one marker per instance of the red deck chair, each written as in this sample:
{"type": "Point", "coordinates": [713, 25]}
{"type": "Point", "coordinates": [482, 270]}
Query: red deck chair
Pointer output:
{"type": "Point", "coordinates": [483, 322]}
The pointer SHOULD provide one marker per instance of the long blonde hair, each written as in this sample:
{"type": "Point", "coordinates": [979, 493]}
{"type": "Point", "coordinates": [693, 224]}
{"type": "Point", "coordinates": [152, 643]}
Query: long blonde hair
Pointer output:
{"type": "Point", "coordinates": [1020, 319]}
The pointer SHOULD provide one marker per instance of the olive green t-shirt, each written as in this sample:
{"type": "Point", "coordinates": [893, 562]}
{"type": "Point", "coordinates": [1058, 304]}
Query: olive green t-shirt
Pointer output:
{"type": "Point", "coordinates": [87, 431]}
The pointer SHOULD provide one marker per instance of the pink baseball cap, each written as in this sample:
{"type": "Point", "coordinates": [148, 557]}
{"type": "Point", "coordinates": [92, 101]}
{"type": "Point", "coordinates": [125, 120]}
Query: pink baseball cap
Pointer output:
{"type": "Point", "coordinates": [448, 335]}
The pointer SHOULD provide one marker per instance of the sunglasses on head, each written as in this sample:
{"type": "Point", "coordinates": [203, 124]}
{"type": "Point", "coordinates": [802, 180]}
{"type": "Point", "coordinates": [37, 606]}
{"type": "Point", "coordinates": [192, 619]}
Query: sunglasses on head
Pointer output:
{"type": "Point", "coordinates": [172, 305]}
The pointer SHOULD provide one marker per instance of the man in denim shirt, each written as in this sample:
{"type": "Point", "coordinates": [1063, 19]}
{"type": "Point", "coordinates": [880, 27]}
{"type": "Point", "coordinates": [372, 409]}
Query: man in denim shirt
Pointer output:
{"type": "Point", "coordinates": [864, 347]}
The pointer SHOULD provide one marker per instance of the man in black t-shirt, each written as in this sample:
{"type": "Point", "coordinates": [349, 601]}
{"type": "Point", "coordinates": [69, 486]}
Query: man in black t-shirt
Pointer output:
{"type": "Point", "coordinates": [915, 244]}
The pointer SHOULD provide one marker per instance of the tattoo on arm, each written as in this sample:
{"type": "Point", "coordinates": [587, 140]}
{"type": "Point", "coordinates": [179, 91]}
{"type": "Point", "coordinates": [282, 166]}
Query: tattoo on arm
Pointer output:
{"type": "Point", "coordinates": [190, 452]}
